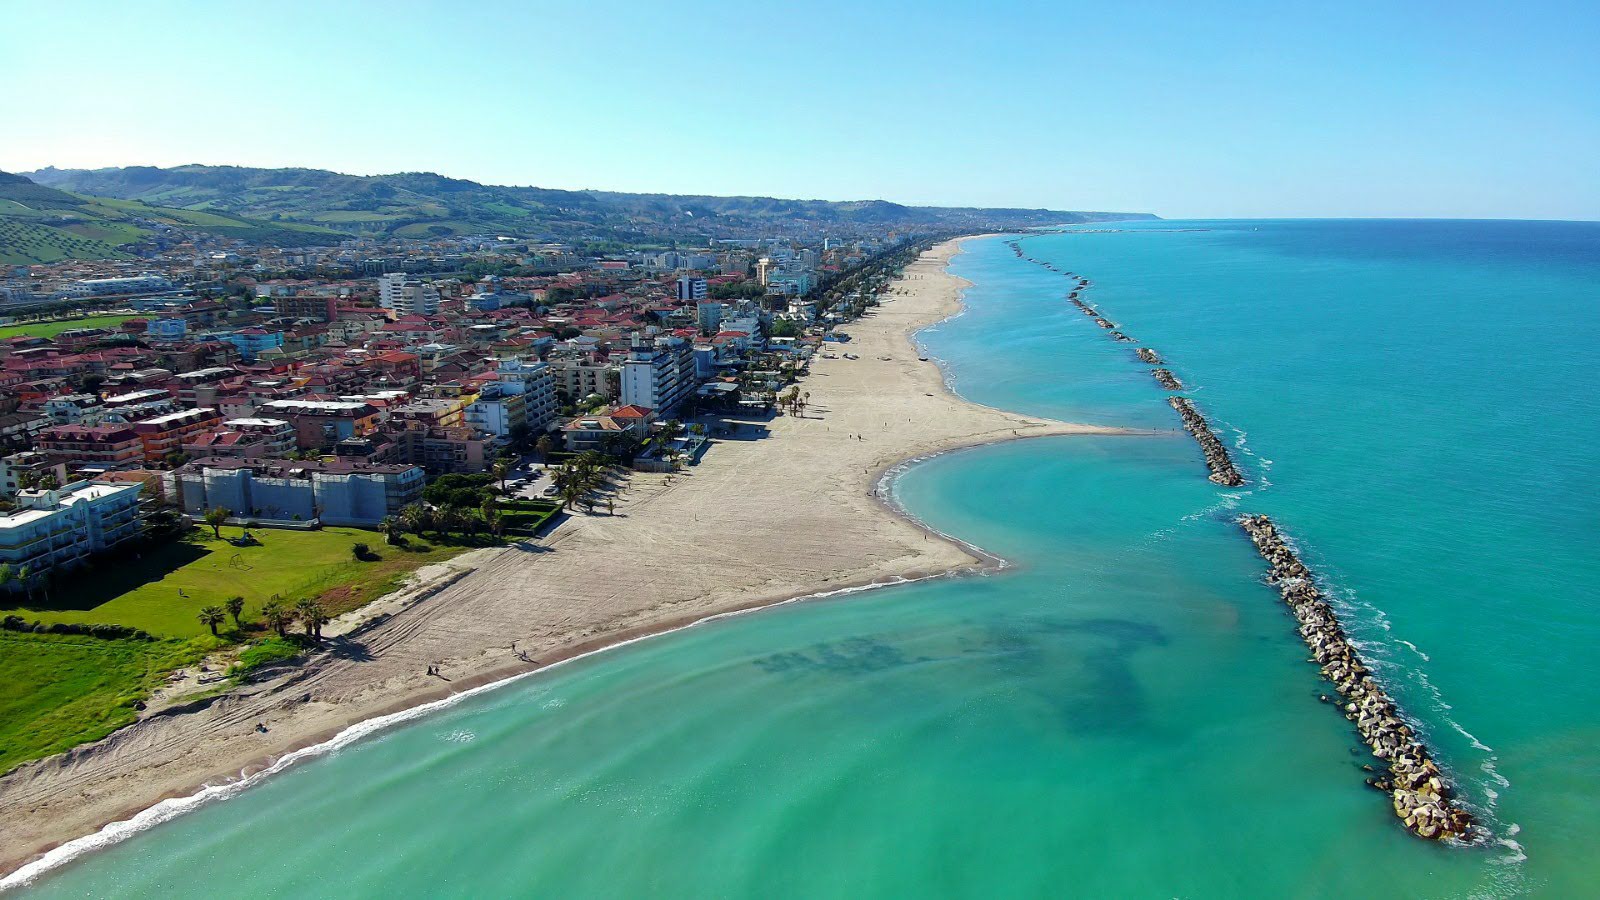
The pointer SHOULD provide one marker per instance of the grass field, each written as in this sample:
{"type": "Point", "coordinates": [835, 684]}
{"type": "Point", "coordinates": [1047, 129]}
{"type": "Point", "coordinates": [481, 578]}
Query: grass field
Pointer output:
{"type": "Point", "coordinates": [163, 591]}
{"type": "Point", "coordinates": [56, 326]}
{"type": "Point", "coordinates": [60, 691]}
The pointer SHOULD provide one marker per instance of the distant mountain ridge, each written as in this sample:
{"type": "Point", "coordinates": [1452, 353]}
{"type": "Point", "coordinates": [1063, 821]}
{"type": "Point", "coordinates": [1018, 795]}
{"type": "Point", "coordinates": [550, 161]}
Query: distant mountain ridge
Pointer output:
{"type": "Point", "coordinates": [420, 204]}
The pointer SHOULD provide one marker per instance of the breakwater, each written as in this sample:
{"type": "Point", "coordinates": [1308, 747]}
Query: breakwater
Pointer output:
{"type": "Point", "coordinates": [1421, 793]}
{"type": "Point", "coordinates": [1166, 379]}
{"type": "Point", "coordinates": [1223, 471]}
{"type": "Point", "coordinates": [1218, 461]}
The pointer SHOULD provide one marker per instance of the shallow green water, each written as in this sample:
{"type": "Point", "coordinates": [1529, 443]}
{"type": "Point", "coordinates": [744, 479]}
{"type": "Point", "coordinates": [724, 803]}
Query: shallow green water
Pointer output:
{"type": "Point", "coordinates": [1124, 712]}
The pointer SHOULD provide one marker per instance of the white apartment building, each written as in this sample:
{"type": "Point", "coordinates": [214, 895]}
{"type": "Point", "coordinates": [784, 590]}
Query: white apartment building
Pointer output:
{"type": "Point", "coordinates": [535, 383]}
{"type": "Point", "coordinates": [59, 529]}
{"type": "Point", "coordinates": [580, 376]}
{"type": "Point", "coordinates": [405, 295]}
{"type": "Point", "coordinates": [658, 376]}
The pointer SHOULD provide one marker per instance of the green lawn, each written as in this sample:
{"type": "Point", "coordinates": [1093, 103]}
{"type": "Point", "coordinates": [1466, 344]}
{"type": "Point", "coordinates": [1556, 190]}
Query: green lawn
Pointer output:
{"type": "Point", "coordinates": [163, 591]}
{"type": "Point", "coordinates": [58, 691]}
{"type": "Point", "coordinates": [56, 326]}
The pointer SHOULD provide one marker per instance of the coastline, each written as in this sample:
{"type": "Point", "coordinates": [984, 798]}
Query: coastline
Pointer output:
{"type": "Point", "coordinates": [759, 523]}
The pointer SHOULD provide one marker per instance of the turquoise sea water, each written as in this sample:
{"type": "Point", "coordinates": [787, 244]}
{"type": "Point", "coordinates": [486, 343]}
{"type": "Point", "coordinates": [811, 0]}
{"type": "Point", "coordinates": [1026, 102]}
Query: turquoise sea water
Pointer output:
{"type": "Point", "coordinates": [1126, 711]}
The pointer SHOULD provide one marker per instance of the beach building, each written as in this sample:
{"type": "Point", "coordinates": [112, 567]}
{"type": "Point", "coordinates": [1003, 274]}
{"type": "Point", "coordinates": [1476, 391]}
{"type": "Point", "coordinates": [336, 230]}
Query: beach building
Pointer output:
{"type": "Point", "coordinates": [59, 529]}
{"type": "Point", "coordinates": [341, 492]}
{"type": "Point", "coordinates": [535, 383]}
{"type": "Point", "coordinates": [658, 375]}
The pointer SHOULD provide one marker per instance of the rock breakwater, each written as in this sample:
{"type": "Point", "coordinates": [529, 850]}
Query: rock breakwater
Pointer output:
{"type": "Point", "coordinates": [1166, 379]}
{"type": "Point", "coordinates": [1223, 471]}
{"type": "Point", "coordinates": [1421, 794]}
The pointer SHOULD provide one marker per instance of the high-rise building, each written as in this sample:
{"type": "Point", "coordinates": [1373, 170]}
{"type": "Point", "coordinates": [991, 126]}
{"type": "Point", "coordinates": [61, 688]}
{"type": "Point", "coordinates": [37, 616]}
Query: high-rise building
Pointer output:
{"type": "Point", "coordinates": [405, 295]}
{"type": "Point", "coordinates": [691, 288]}
{"type": "Point", "coordinates": [658, 376]}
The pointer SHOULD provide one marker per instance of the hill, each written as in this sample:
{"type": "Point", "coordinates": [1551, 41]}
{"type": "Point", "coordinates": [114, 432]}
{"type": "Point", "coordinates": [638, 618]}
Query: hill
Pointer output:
{"type": "Point", "coordinates": [39, 223]}
{"type": "Point", "coordinates": [420, 204]}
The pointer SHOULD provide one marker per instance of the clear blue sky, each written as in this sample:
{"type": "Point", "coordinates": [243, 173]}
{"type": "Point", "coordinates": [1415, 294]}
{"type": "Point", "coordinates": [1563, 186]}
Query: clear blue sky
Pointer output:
{"type": "Point", "coordinates": [1185, 109]}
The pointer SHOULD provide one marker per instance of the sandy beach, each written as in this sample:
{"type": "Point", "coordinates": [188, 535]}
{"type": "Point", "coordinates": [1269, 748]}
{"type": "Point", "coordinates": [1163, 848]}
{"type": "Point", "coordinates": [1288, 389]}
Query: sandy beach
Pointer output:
{"type": "Point", "coordinates": [786, 508]}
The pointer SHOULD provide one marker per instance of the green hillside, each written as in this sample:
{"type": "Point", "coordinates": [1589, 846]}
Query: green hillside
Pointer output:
{"type": "Point", "coordinates": [420, 204]}
{"type": "Point", "coordinates": [41, 224]}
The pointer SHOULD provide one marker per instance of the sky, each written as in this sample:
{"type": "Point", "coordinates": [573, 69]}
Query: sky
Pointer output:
{"type": "Point", "coordinates": [1188, 110]}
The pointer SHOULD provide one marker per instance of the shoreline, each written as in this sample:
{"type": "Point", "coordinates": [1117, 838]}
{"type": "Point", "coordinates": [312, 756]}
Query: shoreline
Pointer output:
{"type": "Point", "coordinates": [57, 825]}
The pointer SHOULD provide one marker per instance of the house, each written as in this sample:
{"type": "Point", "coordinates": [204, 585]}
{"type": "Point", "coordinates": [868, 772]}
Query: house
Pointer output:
{"type": "Point", "coordinates": [601, 432]}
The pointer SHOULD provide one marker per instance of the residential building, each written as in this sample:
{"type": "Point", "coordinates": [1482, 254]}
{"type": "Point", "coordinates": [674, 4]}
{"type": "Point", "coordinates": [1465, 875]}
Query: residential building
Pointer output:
{"type": "Point", "coordinates": [28, 464]}
{"type": "Point", "coordinates": [709, 314]}
{"type": "Point", "coordinates": [101, 446]}
{"type": "Point", "coordinates": [658, 375]}
{"type": "Point", "coordinates": [403, 295]}
{"type": "Point", "coordinates": [536, 384]}
{"type": "Point", "coordinates": [59, 529]}
{"type": "Point", "coordinates": [340, 492]}
{"type": "Point", "coordinates": [323, 423]}
{"type": "Point", "coordinates": [164, 435]}
{"type": "Point", "coordinates": [691, 288]}
{"type": "Point", "coordinates": [252, 342]}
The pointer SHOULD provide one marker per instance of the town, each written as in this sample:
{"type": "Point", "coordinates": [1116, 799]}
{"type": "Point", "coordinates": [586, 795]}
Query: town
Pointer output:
{"type": "Point", "coordinates": [192, 430]}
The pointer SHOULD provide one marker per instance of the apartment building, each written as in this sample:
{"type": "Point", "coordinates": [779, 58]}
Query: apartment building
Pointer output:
{"type": "Point", "coordinates": [404, 295]}
{"type": "Point", "coordinates": [658, 375]}
{"type": "Point", "coordinates": [100, 446]}
{"type": "Point", "coordinates": [60, 529]}
{"type": "Point", "coordinates": [323, 423]}
{"type": "Point", "coordinates": [341, 492]}
{"type": "Point", "coordinates": [165, 434]}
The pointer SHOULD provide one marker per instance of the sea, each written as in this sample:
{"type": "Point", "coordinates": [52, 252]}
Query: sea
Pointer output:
{"type": "Point", "coordinates": [1125, 710]}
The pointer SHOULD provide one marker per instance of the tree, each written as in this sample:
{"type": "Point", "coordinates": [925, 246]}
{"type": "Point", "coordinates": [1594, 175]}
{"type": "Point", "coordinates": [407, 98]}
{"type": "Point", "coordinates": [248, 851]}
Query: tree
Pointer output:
{"type": "Point", "coordinates": [278, 616]}
{"type": "Point", "coordinates": [313, 616]}
{"type": "Point", "coordinates": [360, 550]}
{"type": "Point", "coordinates": [500, 470]}
{"type": "Point", "coordinates": [416, 518]}
{"type": "Point", "coordinates": [7, 575]}
{"type": "Point", "coordinates": [214, 517]}
{"type": "Point", "coordinates": [391, 528]}
{"type": "Point", "coordinates": [544, 445]}
{"type": "Point", "coordinates": [235, 607]}
{"type": "Point", "coordinates": [211, 617]}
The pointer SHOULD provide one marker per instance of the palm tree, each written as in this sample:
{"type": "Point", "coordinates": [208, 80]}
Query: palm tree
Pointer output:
{"type": "Point", "coordinates": [391, 528]}
{"type": "Point", "coordinates": [278, 616]}
{"type": "Point", "coordinates": [571, 492]}
{"type": "Point", "coordinates": [544, 445]}
{"type": "Point", "coordinates": [447, 519]}
{"type": "Point", "coordinates": [214, 517]}
{"type": "Point", "coordinates": [313, 616]}
{"type": "Point", "coordinates": [7, 575]}
{"type": "Point", "coordinates": [416, 517]}
{"type": "Point", "coordinates": [235, 607]}
{"type": "Point", "coordinates": [211, 617]}
{"type": "Point", "coordinates": [500, 470]}
{"type": "Point", "coordinates": [25, 575]}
